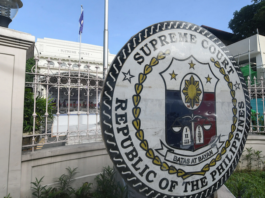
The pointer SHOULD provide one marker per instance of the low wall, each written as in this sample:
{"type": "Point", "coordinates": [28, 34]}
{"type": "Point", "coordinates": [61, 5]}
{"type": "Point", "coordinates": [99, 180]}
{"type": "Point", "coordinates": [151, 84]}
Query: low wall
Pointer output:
{"type": "Point", "coordinates": [90, 159]}
{"type": "Point", "coordinates": [257, 143]}
{"type": "Point", "coordinates": [52, 163]}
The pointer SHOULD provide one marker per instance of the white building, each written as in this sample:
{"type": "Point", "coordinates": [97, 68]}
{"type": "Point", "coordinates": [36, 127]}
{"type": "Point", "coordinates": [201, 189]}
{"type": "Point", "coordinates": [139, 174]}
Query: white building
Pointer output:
{"type": "Point", "coordinates": [75, 91]}
{"type": "Point", "coordinates": [240, 50]}
{"type": "Point", "coordinates": [59, 53]}
{"type": "Point", "coordinates": [257, 53]}
{"type": "Point", "coordinates": [69, 51]}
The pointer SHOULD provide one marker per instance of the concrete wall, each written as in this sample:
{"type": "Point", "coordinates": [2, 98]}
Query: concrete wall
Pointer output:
{"type": "Point", "coordinates": [257, 50]}
{"type": "Point", "coordinates": [52, 163]}
{"type": "Point", "coordinates": [89, 158]}
{"type": "Point", "coordinates": [257, 143]}
{"type": "Point", "coordinates": [14, 48]}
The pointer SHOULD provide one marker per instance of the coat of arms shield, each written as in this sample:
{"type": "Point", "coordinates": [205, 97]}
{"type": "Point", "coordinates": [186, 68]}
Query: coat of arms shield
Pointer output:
{"type": "Point", "coordinates": [190, 104]}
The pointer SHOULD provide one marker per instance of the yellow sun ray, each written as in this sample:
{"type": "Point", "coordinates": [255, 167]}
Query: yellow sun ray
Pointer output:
{"type": "Point", "coordinates": [187, 83]}
{"type": "Point", "coordinates": [191, 80]}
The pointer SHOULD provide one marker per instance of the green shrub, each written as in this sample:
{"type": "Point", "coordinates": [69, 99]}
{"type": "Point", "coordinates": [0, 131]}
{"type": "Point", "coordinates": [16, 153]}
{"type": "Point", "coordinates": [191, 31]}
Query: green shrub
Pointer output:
{"type": "Point", "coordinates": [84, 191]}
{"type": "Point", "coordinates": [29, 65]}
{"type": "Point", "coordinates": [253, 155]}
{"type": "Point", "coordinates": [107, 187]}
{"type": "Point", "coordinates": [63, 188]}
{"type": "Point", "coordinates": [248, 183]}
{"type": "Point", "coordinates": [37, 188]}
{"type": "Point", "coordinates": [40, 110]}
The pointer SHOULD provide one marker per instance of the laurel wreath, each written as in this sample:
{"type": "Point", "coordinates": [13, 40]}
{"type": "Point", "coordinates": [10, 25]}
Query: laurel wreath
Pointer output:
{"type": "Point", "coordinates": [140, 132]}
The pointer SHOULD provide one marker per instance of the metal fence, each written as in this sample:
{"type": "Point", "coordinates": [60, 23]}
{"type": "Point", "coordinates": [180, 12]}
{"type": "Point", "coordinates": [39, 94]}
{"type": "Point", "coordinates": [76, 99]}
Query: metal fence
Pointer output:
{"type": "Point", "coordinates": [256, 92]}
{"type": "Point", "coordinates": [64, 99]}
{"type": "Point", "coordinates": [65, 104]}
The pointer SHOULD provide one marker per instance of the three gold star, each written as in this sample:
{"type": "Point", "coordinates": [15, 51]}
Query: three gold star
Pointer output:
{"type": "Point", "coordinates": [191, 65]}
{"type": "Point", "coordinates": [173, 75]}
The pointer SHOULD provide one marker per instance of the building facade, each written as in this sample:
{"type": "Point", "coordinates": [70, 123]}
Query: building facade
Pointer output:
{"type": "Point", "coordinates": [59, 58]}
{"type": "Point", "coordinates": [256, 45]}
{"type": "Point", "coordinates": [73, 88]}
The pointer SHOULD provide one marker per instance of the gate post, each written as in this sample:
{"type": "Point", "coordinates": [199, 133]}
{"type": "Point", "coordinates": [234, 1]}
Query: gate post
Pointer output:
{"type": "Point", "coordinates": [15, 48]}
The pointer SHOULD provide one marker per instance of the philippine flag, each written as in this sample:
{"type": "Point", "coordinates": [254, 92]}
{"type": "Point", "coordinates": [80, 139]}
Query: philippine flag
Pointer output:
{"type": "Point", "coordinates": [81, 22]}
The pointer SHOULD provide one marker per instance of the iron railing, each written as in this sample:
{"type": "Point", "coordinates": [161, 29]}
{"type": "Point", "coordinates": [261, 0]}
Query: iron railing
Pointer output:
{"type": "Point", "coordinates": [256, 91]}
{"type": "Point", "coordinates": [70, 114]}
{"type": "Point", "coordinates": [71, 93]}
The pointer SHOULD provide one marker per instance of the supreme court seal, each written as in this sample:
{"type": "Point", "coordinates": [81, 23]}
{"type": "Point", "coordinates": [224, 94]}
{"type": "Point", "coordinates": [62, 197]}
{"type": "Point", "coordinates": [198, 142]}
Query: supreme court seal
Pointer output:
{"type": "Point", "coordinates": [175, 111]}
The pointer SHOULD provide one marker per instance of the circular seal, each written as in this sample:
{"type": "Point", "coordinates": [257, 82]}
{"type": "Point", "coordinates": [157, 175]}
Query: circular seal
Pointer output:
{"type": "Point", "coordinates": [175, 111]}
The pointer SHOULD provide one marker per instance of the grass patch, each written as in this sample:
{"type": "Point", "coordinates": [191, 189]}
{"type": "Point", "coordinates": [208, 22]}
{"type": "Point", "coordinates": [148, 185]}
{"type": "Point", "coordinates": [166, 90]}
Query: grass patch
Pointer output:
{"type": "Point", "coordinates": [247, 184]}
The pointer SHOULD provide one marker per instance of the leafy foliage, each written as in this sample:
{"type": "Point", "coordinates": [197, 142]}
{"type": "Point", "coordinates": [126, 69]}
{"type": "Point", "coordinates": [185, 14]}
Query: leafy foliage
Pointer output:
{"type": "Point", "coordinates": [40, 110]}
{"type": "Point", "coordinates": [29, 64]}
{"type": "Point", "coordinates": [107, 187]}
{"type": "Point", "coordinates": [253, 156]}
{"type": "Point", "coordinates": [63, 188]}
{"type": "Point", "coordinates": [247, 184]}
{"type": "Point", "coordinates": [249, 158]}
{"type": "Point", "coordinates": [246, 21]}
{"type": "Point", "coordinates": [38, 188]}
{"type": "Point", "coordinates": [8, 196]}
{"type": "Point", "coordinates": [83, 191]}
{"type": "Point", "coordinates": [257, 1]}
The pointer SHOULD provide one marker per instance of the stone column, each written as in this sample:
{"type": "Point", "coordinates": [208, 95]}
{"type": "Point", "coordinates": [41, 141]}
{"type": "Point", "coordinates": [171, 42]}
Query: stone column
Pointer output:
{"type": "Point", "coordinates": [15, 48]}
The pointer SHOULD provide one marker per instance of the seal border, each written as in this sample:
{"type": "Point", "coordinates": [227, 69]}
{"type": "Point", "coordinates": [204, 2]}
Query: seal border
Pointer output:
{"type": "Point", "coordinates": [106, 104]}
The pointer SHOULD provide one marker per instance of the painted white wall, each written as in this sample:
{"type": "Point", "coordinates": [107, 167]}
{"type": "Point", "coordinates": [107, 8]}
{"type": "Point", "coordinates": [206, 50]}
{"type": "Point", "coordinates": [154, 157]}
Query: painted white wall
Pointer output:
{"type": "Point", "coordinates": [257, 50]}
{"type": "Point", "coordinates": [14, 48]}
{"type": "Point", "coordinates": [52, 163]}
{"type": "Point", "coordinates": [241, 47]}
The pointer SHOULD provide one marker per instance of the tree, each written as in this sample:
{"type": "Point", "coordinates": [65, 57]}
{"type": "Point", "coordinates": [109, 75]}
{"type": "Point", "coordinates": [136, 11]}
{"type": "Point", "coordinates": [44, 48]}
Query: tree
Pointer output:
{"type": "Point", "coordinates": [29, 64]}
{"type": "Point", "coordinates": [40, 110]}
{"type": "Point", "coordinates": [29, 103]}
{"type": "Point", "coordinates": [257, 1]}
{"type": "Point", "coordinates": [250, 18]}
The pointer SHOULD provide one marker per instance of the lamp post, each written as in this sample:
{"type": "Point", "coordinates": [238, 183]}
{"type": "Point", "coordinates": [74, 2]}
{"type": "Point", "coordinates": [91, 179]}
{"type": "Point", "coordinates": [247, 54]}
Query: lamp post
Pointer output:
{"type": "Point", "coordinates": [8, 11]}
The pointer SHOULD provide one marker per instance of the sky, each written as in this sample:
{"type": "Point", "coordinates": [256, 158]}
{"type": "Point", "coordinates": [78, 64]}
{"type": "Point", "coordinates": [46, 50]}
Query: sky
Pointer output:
{"type": "Point", "coordinates": [58, 19]}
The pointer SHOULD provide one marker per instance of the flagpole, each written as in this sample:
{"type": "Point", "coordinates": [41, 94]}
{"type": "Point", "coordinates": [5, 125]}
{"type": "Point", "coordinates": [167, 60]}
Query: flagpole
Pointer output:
{"type": "Point", "coordinates": [80, 38]}
{"type": "Point", "coordinates": [249, 64]}
{"type": "Point", "coordinates": [105, 46]}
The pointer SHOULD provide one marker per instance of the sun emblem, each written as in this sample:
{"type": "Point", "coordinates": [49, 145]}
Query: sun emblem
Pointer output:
{"type": "Point", "coordinates": [192, 92]}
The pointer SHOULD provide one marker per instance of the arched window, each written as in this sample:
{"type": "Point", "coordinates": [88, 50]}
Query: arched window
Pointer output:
{"type": "Point", "coordinates": [75, 66]}
{"type": "Point", "coordinates": [51, 63]}
{"type": "Point", "coordinates": [63, 64]}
